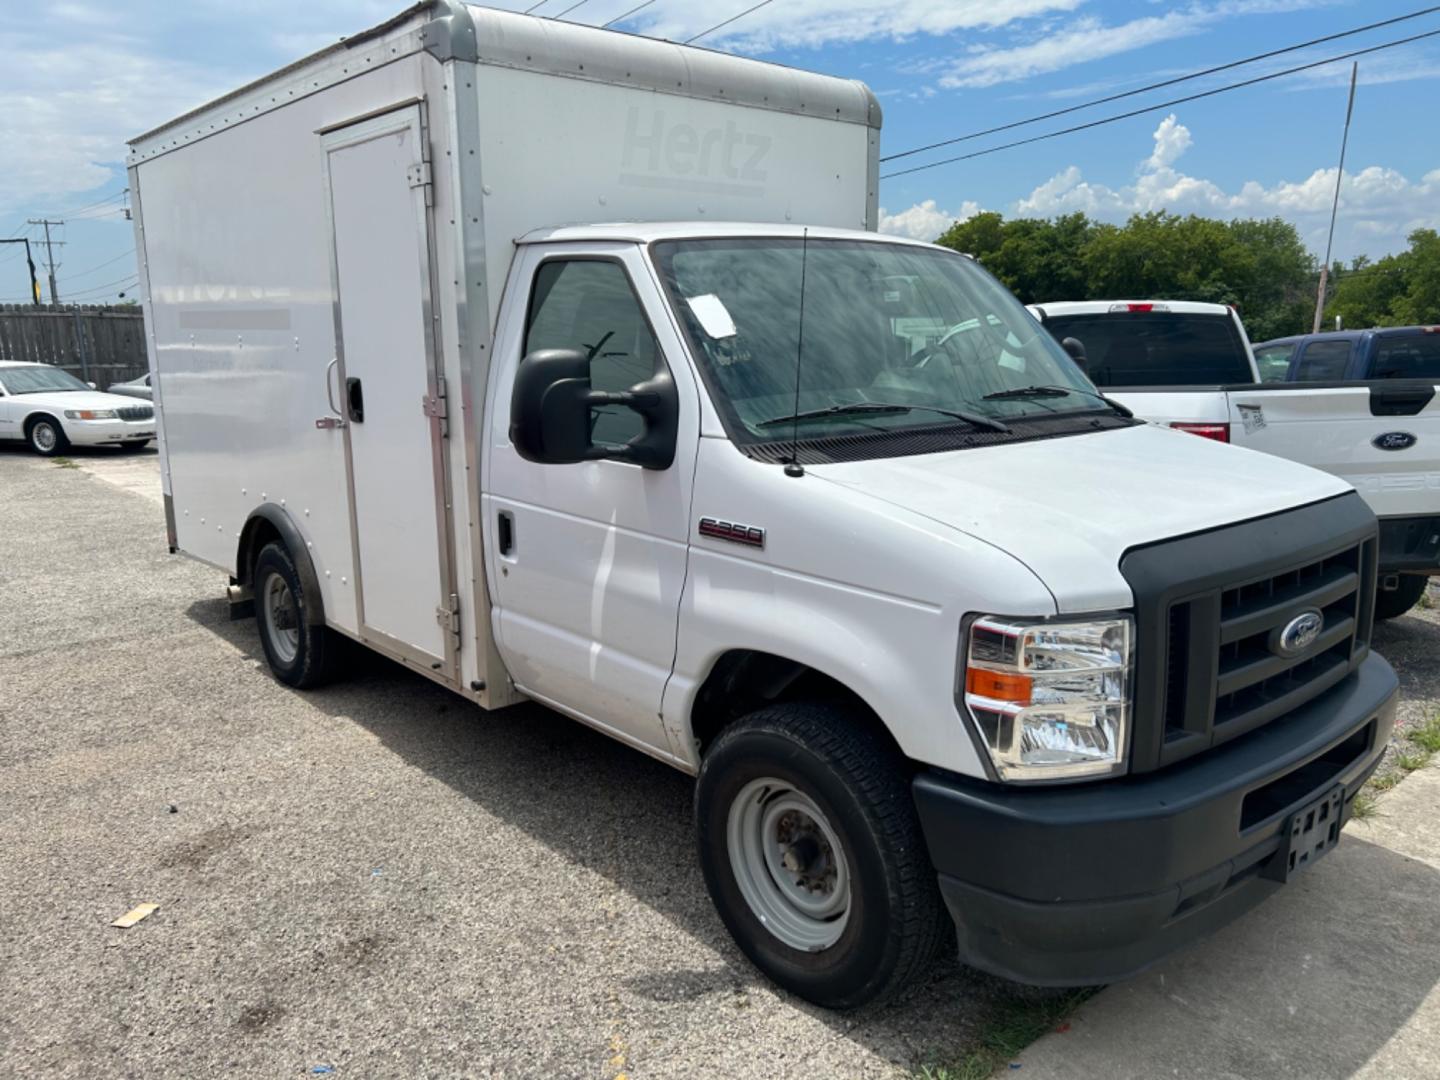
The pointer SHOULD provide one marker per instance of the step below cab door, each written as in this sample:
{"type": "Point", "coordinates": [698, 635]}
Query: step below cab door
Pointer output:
{"type": "Point", "coordinates": [587, 561]}
{"type": "Point", "coordinates": [386, 390]}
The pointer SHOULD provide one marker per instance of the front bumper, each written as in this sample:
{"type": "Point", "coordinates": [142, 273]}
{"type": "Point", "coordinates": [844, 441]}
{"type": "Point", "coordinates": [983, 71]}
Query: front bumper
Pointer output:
{"type": "Point", "coordinates": [1090, 883]}
{"type": "Point", "coordinates": [94, 432]}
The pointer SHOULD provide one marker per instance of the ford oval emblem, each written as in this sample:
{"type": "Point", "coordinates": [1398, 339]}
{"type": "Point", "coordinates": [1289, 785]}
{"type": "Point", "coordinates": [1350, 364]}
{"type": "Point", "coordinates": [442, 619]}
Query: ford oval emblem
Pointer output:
{"type": "Point", "coordinates": [1300, 633]}
{"type": "Point", "coordinates": [1394, 440]}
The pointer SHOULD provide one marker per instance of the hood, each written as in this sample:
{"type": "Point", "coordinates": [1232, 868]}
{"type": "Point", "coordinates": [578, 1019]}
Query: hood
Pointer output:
{"type": "Point", "coordinates": [79, 399]}
{"type": "Point", "coordinates": [1069, 508]}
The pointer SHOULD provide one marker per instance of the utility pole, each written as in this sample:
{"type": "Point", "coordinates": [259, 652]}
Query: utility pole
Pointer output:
{"type": "Point", "coordinates": [30, 262]}
{"type": "Point", "coordinates": [1335, 207]}
{"type": "Point", "coordinates": [50, 247]}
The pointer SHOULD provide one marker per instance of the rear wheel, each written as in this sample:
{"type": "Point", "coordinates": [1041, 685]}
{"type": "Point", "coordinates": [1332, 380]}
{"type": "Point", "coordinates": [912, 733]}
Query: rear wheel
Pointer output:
{"type": "Point", "coordinates": [1392, 603]}
{"type": "Point", "coordinates": [300, 654]}
{"type": "Point", "coordinates": [46, 436]}
{"type": "Point", "coordinates": [813, 854]}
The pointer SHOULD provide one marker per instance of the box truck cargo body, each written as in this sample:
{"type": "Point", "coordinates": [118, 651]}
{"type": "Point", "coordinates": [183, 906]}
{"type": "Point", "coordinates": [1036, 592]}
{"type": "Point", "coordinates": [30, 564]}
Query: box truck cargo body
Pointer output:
{"type": "Point", "coordinates": [566, 365]}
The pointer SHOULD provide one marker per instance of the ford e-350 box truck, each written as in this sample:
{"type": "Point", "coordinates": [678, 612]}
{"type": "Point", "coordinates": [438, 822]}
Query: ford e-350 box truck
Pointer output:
{"type": "Point", "coordinates": [947, 638]}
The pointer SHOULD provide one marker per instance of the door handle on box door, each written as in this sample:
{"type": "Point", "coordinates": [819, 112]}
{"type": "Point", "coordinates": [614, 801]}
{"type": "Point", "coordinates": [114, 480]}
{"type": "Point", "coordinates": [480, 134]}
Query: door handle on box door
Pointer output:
{"type": "Point", "coordinates": [505, 532]}
{"type": "Point", "coordinates": [338, 420]}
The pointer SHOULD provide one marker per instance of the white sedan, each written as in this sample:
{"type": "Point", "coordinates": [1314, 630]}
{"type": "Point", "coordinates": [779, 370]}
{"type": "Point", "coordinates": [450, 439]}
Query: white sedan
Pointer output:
{"type": "Point", "coordinates": [51, 409]}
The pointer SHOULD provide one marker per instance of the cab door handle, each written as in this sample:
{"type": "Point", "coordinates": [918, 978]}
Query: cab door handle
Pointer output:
{"type": "Point", "coordinates": [505, 532]}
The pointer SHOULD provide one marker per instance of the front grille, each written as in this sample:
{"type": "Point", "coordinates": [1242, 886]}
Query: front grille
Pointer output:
{"type": "Point", "coordinates": [1224, 675]}
{"type": "Point", "coordinates": [1210, 609]}
{"type": "Point", "coordinates": [136, 412]}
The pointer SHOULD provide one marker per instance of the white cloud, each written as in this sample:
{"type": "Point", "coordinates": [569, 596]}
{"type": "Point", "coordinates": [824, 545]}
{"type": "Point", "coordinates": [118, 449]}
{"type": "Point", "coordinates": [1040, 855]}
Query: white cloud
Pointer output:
{"type": "Point", "coordinates": [1379, 206]}
{"type": "Point", "coordinates": [1172, 139]}
{"type": "Point", "coordinates": [810, 23]}
{"type": "Point", "coordinates": [925, 220]}
{"type": "Point", "coordinates": [1088, 39]}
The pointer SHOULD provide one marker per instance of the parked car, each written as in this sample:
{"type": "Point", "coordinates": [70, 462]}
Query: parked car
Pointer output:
{"type": "Point", "coordinates": [1399, 352]}
{"type": "Point", "coordinates": [943, 635]}
{"type": "Point", "coordinates": [139, 388]}
{"type": "Point", "coordinates": [50, 409]}
{"type": "Point", "coordinates": [1190, 366]}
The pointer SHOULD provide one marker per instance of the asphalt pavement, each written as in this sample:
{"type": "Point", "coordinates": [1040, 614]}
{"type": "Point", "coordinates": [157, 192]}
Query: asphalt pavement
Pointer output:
{"type": "Point", "coordinates": [375, 877]}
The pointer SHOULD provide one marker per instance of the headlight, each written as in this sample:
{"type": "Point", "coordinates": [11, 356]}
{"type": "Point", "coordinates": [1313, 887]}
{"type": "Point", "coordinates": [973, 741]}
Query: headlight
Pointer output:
{"type": "Point", "coordinates": [89, 414]}
{"type": "Point", "coordinates": [1051, 700]}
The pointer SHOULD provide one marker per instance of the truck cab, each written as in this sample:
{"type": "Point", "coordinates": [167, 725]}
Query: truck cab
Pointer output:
{"type": "Point", "coordinates": [822, 518]}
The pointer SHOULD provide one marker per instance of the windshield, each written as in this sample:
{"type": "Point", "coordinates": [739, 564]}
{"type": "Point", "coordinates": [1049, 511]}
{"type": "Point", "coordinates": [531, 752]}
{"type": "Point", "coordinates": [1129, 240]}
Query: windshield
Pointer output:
{"type": "Point", "coordinates": [1155, 348]}
{"type": "Point", "coordinates": [38, 380]}
{"type": "Point", "coordinates": [926, 334]}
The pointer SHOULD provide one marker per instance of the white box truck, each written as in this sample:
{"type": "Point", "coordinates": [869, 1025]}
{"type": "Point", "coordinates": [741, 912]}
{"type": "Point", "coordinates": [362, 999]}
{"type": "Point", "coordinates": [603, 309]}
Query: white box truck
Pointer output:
{"type": "Point", "coordinates": [719, 480]}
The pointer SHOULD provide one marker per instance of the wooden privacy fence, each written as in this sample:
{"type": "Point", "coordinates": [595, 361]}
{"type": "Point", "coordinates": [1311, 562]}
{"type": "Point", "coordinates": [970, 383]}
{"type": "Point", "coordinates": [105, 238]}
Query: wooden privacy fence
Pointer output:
{"type": "Point", "coordinates": [102, 345]}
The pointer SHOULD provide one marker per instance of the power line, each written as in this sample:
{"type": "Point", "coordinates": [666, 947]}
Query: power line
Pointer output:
{"type": "Point", "coordinates": [1160, 85]}
{"type": "Point", "coordinates": [109, 287]}
{"type": "Point", "coordinates": [114, 196]}
{"type": "Point", "coordinates": [569, 9]}
{"type": "Point", "coordinates": [622, 18]}
{"type": "Point", "coordinates": [727, 22]}
{"type": "Point", "coordinates": [1163, 105]}
{"type": "Point", "coordinates": [532, 7]}
{"type": "Point", "coordinates": [99, 266]}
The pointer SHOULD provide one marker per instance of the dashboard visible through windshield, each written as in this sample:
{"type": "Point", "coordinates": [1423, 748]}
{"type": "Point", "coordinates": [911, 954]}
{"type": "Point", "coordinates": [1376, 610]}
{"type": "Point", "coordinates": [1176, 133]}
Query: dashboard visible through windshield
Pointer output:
{"type": "Point", "coordinates": [893, 339]}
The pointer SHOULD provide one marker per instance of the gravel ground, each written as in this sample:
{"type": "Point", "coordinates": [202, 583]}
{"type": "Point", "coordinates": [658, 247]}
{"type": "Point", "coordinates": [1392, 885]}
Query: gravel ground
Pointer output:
{"type": "Point", "coordinates": [375, 877]}
{"type": "Point", "coordinates": [1412, 645]}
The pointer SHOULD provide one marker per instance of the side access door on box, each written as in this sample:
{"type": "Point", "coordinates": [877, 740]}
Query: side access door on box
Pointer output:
{"type": "Point", "coordinates": [388, 392]}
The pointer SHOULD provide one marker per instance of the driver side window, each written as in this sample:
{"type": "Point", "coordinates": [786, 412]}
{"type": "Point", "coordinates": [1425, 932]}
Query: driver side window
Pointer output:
{"type": "Point", "coordinates": [588, 304]}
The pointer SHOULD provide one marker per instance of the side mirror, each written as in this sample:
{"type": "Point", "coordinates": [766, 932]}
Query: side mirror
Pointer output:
{"type": "Point", "coordinates": [552, 408]}
{"type": "Point", "coordinates": [1076, 348]}
{"type": "Point", "coordinates": [92, 386]}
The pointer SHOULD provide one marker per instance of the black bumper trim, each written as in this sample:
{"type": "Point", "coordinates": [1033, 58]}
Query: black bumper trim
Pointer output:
{"type": "Point", "coordinates": [1410, 545]}
{"type": "Point", "coordinates": [1085, 884]}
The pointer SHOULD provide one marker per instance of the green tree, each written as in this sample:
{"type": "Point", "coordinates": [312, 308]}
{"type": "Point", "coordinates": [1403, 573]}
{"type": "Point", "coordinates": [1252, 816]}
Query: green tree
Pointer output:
{"type": "Point", "coordinates": [1398, 290]}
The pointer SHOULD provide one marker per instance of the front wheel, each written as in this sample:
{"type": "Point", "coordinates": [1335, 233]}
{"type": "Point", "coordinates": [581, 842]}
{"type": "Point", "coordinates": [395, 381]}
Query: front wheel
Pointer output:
{"type": "Point", "coordinates": [1392, 603]}
{"type": "Point", "coordinates": [46, 436]}
{"type": "Point", "coordinates": [300, 654]}
{"type": "Point", "coordinates": [813, 854]}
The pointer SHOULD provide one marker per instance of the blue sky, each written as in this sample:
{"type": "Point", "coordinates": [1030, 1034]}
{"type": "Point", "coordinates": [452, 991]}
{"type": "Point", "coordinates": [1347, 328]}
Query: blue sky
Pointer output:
{"type": "Point", "coordinates": [78, 78]}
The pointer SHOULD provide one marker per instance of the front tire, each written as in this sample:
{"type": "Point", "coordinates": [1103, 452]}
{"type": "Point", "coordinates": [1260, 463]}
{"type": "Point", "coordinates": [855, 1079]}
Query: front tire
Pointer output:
{"type": "Point", "coordinates": [45, 436]}
{"type": "Point", "coordinates": [1392, 603]}
{"type": "Point", "coordinates": [300, 653]}
{"type": "Point", "coordinates": [814, 857]}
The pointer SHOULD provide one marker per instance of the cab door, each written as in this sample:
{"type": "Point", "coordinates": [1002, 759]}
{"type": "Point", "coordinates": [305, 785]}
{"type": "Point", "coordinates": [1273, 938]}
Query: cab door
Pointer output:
{"type": "Point", "coordinates": [587, 561]}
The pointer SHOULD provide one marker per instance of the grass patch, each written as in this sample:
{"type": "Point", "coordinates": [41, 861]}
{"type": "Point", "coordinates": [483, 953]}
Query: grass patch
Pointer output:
{"type": "Point", "coordinates": [63, 463]}
{"type": "Point", "coordinates": [1427, 736]}
{"type": "Point", "coordinates": [1363, 805]}
{"type": "Point", "coordinates": [1013, 1026]}
{"type": "Point", "coordinates": [1425, 603]}
{"type": "Point", "coordinates": [1383, 783]}
{"type": "Point", "coordinates": [1410, 762]}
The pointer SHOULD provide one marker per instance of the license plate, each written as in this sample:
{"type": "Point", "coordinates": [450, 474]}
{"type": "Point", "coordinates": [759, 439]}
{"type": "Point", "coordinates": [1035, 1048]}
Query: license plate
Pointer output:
{"type": "Point", "coordinates": [1310, 834]}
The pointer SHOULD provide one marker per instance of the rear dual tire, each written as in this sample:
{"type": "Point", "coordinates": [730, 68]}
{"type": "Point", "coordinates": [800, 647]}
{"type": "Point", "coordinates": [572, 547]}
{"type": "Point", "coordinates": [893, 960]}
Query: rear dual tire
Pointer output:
{"type": "Point", "coordinates": [813, 854]}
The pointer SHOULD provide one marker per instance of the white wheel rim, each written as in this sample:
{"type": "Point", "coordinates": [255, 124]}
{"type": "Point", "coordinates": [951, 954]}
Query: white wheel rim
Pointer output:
{"type": "Point", "coordinates": [789, 864]}
{"type": "Point", "coordinates": [43, 437]}
{"type": "Point", "coordinates": [282, 618]}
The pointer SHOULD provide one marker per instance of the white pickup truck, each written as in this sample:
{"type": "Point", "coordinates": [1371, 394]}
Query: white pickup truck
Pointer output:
{"type": "Point", "coordinates": [736, 491]}
{"type": "Point", "coordinates": [1189, 366]}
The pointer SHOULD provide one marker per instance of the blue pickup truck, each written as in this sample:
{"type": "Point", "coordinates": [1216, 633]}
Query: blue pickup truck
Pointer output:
{"type": "Point", "coordinates": [1401, 352]}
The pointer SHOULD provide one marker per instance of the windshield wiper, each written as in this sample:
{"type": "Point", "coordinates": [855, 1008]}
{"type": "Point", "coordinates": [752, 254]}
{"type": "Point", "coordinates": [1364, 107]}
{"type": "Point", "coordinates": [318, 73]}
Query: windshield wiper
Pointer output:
{"type": "Point", "coordinates": [874, 407]}
{"type": "Point", "coordinates": [1040, 391]}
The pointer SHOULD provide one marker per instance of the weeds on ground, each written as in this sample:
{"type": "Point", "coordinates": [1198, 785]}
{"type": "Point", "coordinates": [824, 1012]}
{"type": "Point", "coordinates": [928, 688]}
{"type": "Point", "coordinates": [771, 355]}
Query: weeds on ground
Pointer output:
{"type": "Point", "coordinates": [1014, 1025]}
{"type": "Point", "coordinates": [63, 463]}
{"type": "Point", "coordinates": [1425, 603]}
{"type": "Point", "coordinates": [1424, 744]}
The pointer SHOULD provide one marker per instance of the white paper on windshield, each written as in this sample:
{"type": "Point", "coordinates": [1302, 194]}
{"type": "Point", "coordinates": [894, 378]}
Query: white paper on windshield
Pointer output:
{"type": "Point", "coordinates": [713, 315]}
